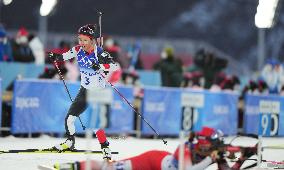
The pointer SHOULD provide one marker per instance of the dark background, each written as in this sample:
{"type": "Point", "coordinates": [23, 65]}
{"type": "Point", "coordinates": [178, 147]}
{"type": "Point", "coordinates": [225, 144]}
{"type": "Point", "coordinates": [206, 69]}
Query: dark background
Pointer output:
{"type": "Point", "coordinates": [227, 25]}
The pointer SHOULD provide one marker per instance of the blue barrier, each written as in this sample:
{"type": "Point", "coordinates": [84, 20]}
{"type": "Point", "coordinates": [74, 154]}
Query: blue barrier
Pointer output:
{"type": "Point", "coordinates": [169, 110]}
{"type": "Point", "coordinates": [150, 78]}
{"type": "Point", "coordinates": [161, 108]}
{"type": "Point", "coordinates": [1, 102]}
{"type": "Point", "coordinates": [10, 70]}
{"type": "Point", "coordinates": [263, 115]}
{"type": "Point", "coordinates": [110, 111]}
{"type": "Point", "coordinates": [220, 112]}
{"type": "Point", "coordinates": [122, 115]}
{"type": "Point", "coordinates": [41, 106]}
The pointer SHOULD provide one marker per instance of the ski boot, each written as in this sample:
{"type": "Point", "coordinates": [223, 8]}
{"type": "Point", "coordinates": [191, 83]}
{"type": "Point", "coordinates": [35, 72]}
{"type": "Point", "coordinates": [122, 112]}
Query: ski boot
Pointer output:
{"type": "Point", "coordinates": [67, 166]}
{"type": "Point", "coordinates": [68, 145]}
{"type": "Point", "coordinates": [106, 151]}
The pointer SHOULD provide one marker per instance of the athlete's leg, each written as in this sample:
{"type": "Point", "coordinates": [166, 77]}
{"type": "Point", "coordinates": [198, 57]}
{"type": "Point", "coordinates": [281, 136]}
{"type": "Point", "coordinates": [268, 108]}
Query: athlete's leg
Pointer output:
{"type": "Point", "coordinates": [100, 133]}
{"type": "Point", "coordinates": [77, 107]}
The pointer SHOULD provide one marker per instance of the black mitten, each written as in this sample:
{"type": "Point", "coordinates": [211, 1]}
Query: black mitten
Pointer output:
{"type": "Point", "coordinates": [249, 151]}
{"type": "Point", "coordinates": [105, 58]}
{"type": "Point", "coordinates": [96, 67]}
{"type": "Point", "coordinates": [53, 56]}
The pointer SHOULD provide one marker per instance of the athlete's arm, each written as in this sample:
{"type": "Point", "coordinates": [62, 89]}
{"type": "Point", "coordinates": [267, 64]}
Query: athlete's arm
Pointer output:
{"type": "Point", "coordinates": [62, 57]}
{"type": "Point", "coordinates": [69, 54]}
{"type": "Point", "coordinates": [201, 165]}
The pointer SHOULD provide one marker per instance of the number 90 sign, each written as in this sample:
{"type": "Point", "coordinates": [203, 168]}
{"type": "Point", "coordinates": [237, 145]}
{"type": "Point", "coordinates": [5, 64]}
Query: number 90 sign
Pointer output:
{"type": "Point", "coordinates": [269, 117]}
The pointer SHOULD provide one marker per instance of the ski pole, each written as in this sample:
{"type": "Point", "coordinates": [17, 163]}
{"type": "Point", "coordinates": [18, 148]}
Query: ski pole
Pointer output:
{"type": "Point", "coordinates": [100, 37]}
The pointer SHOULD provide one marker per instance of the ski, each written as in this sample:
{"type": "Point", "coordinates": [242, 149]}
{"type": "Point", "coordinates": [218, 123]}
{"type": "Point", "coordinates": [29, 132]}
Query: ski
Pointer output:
{"type": "Point", "coordinates": [27, 151]}
{"type": "Point", "coordinates": [45, 167]}
{"type": "Point", "coordinates": [273, 147]}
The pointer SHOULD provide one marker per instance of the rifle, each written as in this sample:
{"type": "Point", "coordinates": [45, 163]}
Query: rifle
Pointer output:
{"type": "Point", "coordinates": [226, 150]}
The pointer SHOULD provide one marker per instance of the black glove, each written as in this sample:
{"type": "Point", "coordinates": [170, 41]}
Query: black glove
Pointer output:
{"type": "Point", "coordinates": [249, 151]}
{"type": "Point", "coordinates": [53, 56]}
{"type": "Point", "coordinates": [222, 164]}
{"type": "Point", "coordinates": [105, 58]}
{"type": "Point", "coordinates": [96, 67]}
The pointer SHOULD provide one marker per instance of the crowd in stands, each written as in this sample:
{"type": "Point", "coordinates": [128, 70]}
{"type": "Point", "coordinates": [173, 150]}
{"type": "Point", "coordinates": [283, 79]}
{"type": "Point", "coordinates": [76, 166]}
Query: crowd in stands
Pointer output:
{"type": "Point", "coordinates": [5, 46]}
{"type": "Point", "coordinates": [207, 71]}
{"type": "Point", "coordinates": [24, 47]}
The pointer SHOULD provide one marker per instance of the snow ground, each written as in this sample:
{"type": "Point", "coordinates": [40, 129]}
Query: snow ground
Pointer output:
{"type": "Point", "coordinates": [126, 146]}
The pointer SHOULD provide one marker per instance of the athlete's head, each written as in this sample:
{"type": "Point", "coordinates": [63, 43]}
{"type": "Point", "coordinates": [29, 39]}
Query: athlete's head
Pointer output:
{"type": "Point", "coordinates": [88, 30]}
{"type": "Point", "coordinates": [207, 139]}
{"type": "Point", "coordinates": [87, 37]}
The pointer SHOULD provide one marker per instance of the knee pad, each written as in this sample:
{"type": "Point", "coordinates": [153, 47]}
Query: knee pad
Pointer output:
{"type": "Point", "coordinates": [70, 124]}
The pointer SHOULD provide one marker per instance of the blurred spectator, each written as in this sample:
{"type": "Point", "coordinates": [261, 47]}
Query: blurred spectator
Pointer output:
{"type": "Point", "coordinates": [231, 84]}
{"type": "Point", "coordinates": [62, 47]}
{"type": "Point", "coordinates": [219, 78]}
{"type": "Point", "coordinates": [272, 73]}
{"type": "Point", "coordinates": [48, 73]}
{"type": "Point", "coordinates": [130, 78]}
{"type": "Point", "coordinates": [194, 80]}
{"type": "Point", "coordinates": [5, 46]}
{"type": "Point", "coordinates": [254, 87]}
{"type": "Point", "coordinates": [282, 91]}
{"type": "Point", "coordinates": [134, 55]}
{"type": "Point", "coordinates": [20, 46]}
{"type": "Point", "coordinates": [7, 103]}
{"type": "Point", "coordinates": [170, 68]}
{"type": "Point", "coordinates": [37, 49]}
{"type": "Point", "coordinates": [262, 87]}
{"type": "Point", "coordinates": [113, 48]}
{"type": "Point", "coordinates": [236, 83]}
{"type": "Point", "coordinates": [209, 64]}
